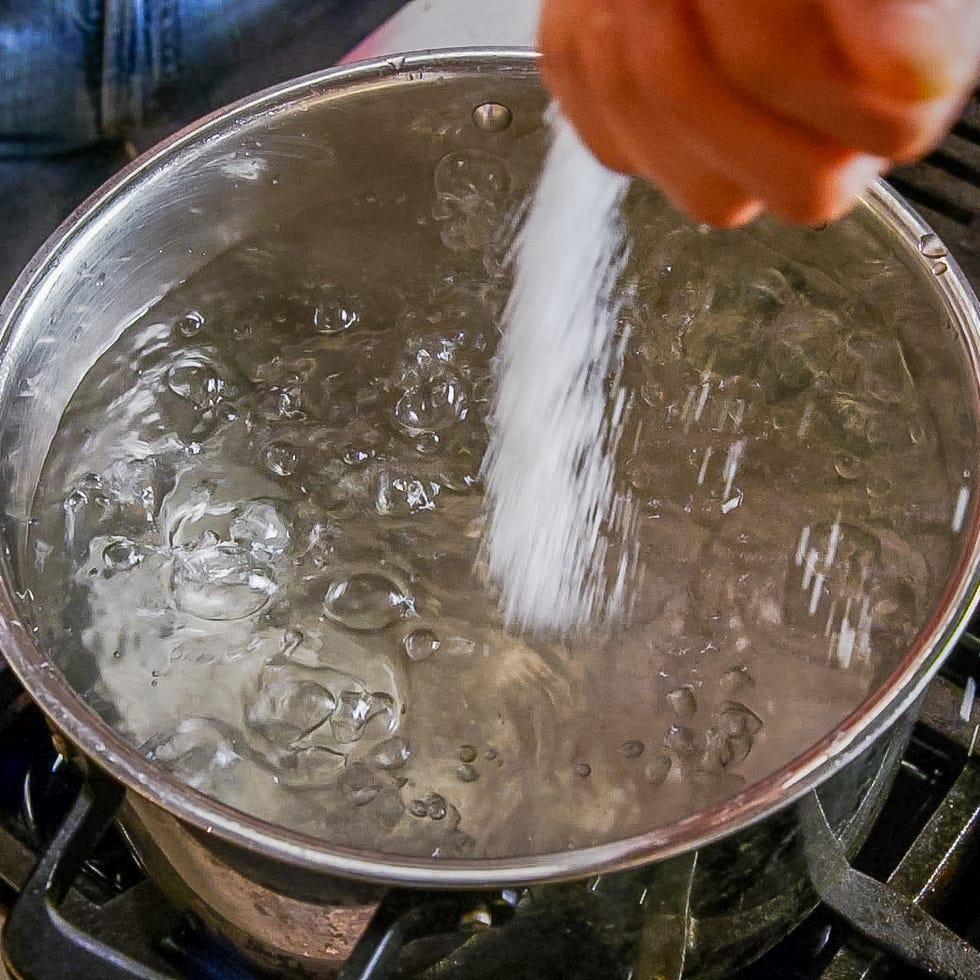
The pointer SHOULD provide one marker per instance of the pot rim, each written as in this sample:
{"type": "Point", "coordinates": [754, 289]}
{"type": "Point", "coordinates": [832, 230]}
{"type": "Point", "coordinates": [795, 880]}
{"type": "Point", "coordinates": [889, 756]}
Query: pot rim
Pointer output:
{"type": "Point", "coordinates": [79, 723]}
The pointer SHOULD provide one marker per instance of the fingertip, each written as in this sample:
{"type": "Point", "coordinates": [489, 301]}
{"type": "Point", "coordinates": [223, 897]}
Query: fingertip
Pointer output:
{"type": "Point", "coordinates": [612, 159]}
{"type": "Point", "coordinates": [927, 130]}
{"type": "Point", "coordinates": [829, 191]}
{"type": "Point", "coordinates": [706, 202]}
{"type": "Point", "coordinates": [858, 175]}
{"type": "Point", "coordinates": [728, 216]}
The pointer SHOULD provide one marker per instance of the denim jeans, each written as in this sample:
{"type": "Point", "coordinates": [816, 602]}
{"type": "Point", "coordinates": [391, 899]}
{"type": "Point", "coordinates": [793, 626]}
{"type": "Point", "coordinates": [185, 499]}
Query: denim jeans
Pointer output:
{"type": "Point", "coordinates": [73, 72]}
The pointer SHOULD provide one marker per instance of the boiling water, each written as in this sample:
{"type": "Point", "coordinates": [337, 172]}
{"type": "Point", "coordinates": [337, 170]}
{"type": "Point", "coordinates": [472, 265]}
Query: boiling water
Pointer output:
{"type": "Point", "coordinates": [256, 546]}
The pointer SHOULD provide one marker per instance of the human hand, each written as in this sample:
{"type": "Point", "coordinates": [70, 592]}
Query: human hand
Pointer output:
{"type": "Point", "coordinates": [732, 107]}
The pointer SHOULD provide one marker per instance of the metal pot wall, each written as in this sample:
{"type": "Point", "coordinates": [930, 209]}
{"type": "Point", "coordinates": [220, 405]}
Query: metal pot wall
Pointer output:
{"type": "Point", "coordinates": [699, 895]}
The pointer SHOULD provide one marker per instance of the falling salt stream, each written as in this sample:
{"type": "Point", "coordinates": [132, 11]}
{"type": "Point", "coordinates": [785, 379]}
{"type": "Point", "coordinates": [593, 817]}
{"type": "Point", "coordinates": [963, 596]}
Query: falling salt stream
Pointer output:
{"type": "Point", "coordinates": [259, 544]}
{"type": "Point", "coordinates": [559, 406]}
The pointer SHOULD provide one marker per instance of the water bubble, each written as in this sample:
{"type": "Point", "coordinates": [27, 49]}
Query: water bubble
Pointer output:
{"type": "Point", "coordinates": [847, 466]}
{"type": "Point", "coordinates": [583, 769]}
{"type": "Point", "coordinates": [435, 807]}
{"type": "Point", "coordinates": [717, 753]}
{"type": "Point", "coordinates": [365, 601]}
{"type": "Point", "coordinates": [657, 769]}
{"type": "Point", "coordinates": [467, 175]}
{"type": "Point", "coordinates": [421, 644]}
{"type": "Point", "coordinates": [767, 291]}
{"type": "Point", "coordinates": [121, 554]}
{"type": "Point", "coordinates": [490, 755]}
{"type": "Point", "coordinates": [190, 324]}
{"type": "Point", "coordinates": [279, 402]}
{"type": "Point", "coordinates": [280, 458]}
{"type": "Point", "coordinates": [360, 784]}
{"type": "Point", "coordinates": [683, 701]}
{"type": "Point", "coordinates": [392, 754]}
{"type": "Point", "coordinates": [736, 679]}
{"type": "Point", "coordinates": [680, 739]}
{"type": "Point", "coordinates": [461, 480]}
{"type": "Point", "coordinates": [418, 496]}
{"type": "Point", "coordinates": [878, 485]}
{"type": "Point", "coordinates": [881, 368]}
{"type": "Point", "coordinates": [291, 639]}
{"type": "Point", "coordinates": [739, 747]}
{"type": "Point", "coordinates": [418, 808]}
{"type": "Point", "coordinates": [467, 774]}
{"type": "Point", "coordinates": [467, 753]}
{"type": "Point", "coordinates": [361, 795]}
{"type": "Point", "coordinates": [458, 235]}
{"type": "Point", "coordinates": [427, 443]}
{"type": "Point", "coordinates": [220, 581]}
{"type": "Point", "coordinates": [932, 247]}
{"type": "Point", "coordinates": [331, 317]}
{"type": "Point", "coordinates": [433, 399]}
{"type": "Point", "coordinates": [87, 504]}
{"type": "Point", "coordinates": [353, 456]}
{"type": "Point", "coordinates": [137, 486]}
{"type": "Point", "coordinates": [735, 718]}
{"type": "Point", "coordinates": [458, 646]}
{"type": "Point", "coordinates": [791, 370]}
{"type": "Point", "coordinates": [355, 709]}
{"type": "Point", "coordinates": [631, 749]}
{"type": "Point", "coordinates": [471, 187]}
{"type": "Point", "coordinates": [918, 433]}
{"type": "Point", "coordinates": [196, 380]}
{"type": "Point", "coordinates": [287, 708]}
{"type": "Point", "coordinates": [306, 765]}
{"type": "Point", "coordinates": [198, 750]}
{"type": "Point", "coordinates": [260, 526]}
{"type": "Point", "coordinates": [75, 500]}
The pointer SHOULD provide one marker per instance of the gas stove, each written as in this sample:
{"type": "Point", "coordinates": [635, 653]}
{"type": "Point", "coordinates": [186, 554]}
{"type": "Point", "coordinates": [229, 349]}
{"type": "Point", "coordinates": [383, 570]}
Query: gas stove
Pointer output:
{"type": "Point", "coordinates": [116, 923]}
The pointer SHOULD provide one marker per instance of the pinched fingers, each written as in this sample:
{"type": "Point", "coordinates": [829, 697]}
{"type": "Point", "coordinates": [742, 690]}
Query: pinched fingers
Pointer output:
{"type": "Point", "coordinates": [598, 94]}
{"type": "Point", "coordinates": [729, 107]}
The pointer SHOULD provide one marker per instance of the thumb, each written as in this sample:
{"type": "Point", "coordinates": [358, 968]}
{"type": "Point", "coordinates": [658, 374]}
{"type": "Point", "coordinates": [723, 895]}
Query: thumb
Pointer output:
{"type": "Point", "coordinates": [909, 50]}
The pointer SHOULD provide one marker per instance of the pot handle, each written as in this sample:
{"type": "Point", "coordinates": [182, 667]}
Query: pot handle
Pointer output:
{"type": "Point", "coordinates": [38, 941]}
{"type": "Point", "coordinates": [878, 911]}
{"type": "Point", "coordinates": [401, 918]}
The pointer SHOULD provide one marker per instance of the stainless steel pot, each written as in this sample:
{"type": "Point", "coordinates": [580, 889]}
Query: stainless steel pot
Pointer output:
{"type": "Point", "coordinates": [696, 896]}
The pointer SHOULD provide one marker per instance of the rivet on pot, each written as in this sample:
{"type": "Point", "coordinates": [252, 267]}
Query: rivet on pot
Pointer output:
{"type": "Point", "coordinates": [492, 117]}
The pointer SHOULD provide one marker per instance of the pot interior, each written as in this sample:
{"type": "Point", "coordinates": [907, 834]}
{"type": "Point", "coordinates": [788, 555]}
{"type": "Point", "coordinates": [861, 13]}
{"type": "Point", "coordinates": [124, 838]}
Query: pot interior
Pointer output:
{"type": "Point", "coordinates": [242, 410]}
